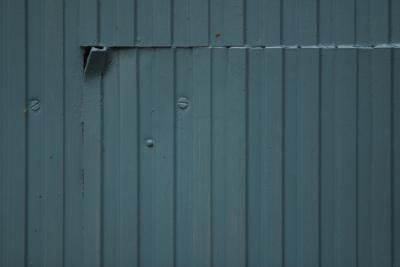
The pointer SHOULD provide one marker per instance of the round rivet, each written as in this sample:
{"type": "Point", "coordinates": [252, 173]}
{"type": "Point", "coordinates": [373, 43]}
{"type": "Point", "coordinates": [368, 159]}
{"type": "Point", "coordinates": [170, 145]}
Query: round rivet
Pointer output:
{"type": "Point", "coordinates": [183, 103]}
{"type": "Point", "coordinates": [34, 105]}
{"type": "Point", "coordinates": [149, 142]}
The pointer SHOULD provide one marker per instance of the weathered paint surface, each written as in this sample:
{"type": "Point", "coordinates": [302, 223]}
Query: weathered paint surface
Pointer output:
{"type": "Point", "coordinates": [238, 22]}
{"type": "Point", "coordinates": [258, 157]}
{"type": "Point", "coordinates": [40, 134]}
{"type": "Point", "coordinates": [205, 156]}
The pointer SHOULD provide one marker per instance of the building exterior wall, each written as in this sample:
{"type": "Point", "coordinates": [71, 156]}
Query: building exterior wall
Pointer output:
{"type": "Point", "coordinates": [187, 151]}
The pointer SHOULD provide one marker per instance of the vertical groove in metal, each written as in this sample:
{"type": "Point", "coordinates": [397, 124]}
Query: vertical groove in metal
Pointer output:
{"type": "Point", "coordinates": [396, 158]}
{"type": "Point", "coordinates": [13, 80]}
{"type": "Point", "coordinates": [319, 153]}
{"type": "Point", "coordinates": [392, 185]}
{"type": "Point", "coordinates": [26, 158]}
{"type": "Point", "coordinates": [63, 135]}
{"type": "Point", "coordinates": [211, 161]}
{"type": "Point", "coordinates": [246, 185]}
{"type": "Point", "coordinates": [101, 176]}
{"type": "Point", "coordinates": [283, 149]}
{"type": "Point", "coordinates": [175, 156]}
{"type": "Point", "coordinates": [138, 173]}
{"type": "Point", "coordinates": [357, 157]}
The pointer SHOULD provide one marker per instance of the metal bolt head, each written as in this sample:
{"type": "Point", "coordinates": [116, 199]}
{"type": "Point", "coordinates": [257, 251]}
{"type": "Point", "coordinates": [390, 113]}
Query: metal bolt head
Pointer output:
{"type": "Point", "coordinates": [34, 105]}
{"type": "Point", "coordinates": [183, 103]}
{"type": "Point", "coordinates": [149, 142]}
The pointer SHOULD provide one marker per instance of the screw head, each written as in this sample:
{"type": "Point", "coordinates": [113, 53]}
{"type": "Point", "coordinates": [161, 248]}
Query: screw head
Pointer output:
{"type": "Point", "coordinates": [183, 103]}
{"type": "Point", "coordinates": [34, 105]}
{"type": "Point", "coordinates": [149, 142]}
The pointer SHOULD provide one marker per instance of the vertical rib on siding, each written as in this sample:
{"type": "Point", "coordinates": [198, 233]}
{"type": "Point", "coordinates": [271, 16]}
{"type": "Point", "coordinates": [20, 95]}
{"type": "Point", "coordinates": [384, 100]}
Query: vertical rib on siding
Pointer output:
{"type": "Point", "coordinates": [336, 21]}
{"type": "Point", "coordinates": [395, 158]}
{"type": "Point", "coordinates": [263, 22]}
{"type": "Point", "coordinates": [157, 173]}
{"type": "Point", "coordinates": [265, 165]}
{"type": "Point", "coordinates": [12, 133]}
{"type": "Point", "coordinates": [338, 157]}
{"type": "Point", "coordinates": [190, 22]}
{"type": "Point", "coordinates": [154, 22]}
{"type": "Point", "coordinates": [193, 158]}
{"type": "Point", "coordinates": [45, 140]}
{"type": "Point", "coordinates": [302, 158]}
{"type": "Point", "coordinates": [93, 171]}
{"type": "Point", "coordinates": [73, 179]}
{"type": "Point", "coordinates": [120, 162]}
{"type": "Point", "coordinates": [129, 159]}
{"type": "Point", "coordinates": [374, 163]}
{"type": "Point", "coordinates": [229, 172]}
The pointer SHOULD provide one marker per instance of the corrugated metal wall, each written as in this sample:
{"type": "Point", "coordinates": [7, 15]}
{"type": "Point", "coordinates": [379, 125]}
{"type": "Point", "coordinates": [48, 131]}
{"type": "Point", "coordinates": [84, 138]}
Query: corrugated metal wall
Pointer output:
{"type": "Point", "coordinates": [282, 158]}
{"type": "Point", "coordinates": [40, 158]}
{"type": "Point", "coordinates": [238, 22]}
{"type": "Point", "coordinates": [199, 156]}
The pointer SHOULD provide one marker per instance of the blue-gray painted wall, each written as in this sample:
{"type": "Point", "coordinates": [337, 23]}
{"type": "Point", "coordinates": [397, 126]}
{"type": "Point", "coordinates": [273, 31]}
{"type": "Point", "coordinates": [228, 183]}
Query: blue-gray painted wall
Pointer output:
{"type": "Point", "coordinates": [238, 22]}
{"type": "Point", "coordinates": [283, 156]}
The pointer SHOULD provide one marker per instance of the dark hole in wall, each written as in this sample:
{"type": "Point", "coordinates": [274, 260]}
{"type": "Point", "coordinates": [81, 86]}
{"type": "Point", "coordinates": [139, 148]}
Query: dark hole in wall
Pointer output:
{"type": "Point", "coordinates": [86, 53]}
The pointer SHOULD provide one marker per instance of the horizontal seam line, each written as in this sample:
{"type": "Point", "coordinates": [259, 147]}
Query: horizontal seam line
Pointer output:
{"type": "Point", "coordinates": [320, 46]}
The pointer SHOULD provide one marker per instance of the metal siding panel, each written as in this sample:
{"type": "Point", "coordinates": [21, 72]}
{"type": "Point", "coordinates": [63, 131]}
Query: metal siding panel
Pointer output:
{"type": "Point", "coordinates": [396, 158]}
{"type": "Point", "coordinates": [92, 164]}
{"type": "Point", "coordinates": [394, 16]}
{"type": "Point", "coordinates": [156, 81]}
{"type": "Point", "coordinates": [374, 196]}
{"type": "Point", "coordinates": [193, 153]}
{"type": "Point", "coordinates": [308, 157]}
{"type": "Point", "coordinates": [302, 158]}
{"type": "Point", "coordinates": [227, 22]}
{"type": "Point", "coordinates": [88, 22]}
{"type": "Point", "coordinates": [307, 24]}
{"type": "Point", "coordinates": [12, 133]}
{"type": "Point", "coordinates": [110, 165]}
{"type": "Point", "coordinates": [129, 159]}
{"type": "Point", "coordinates": [154, 23]}
{"type": "Point", "coordinates": [336, 22]}
{"type": "Point", "coordinates": [372, 22]}
{"type": "Point", "coordinates": [35, 142]}
{"type": "Point", "coordinates": [107, 18]}
{"type": "Point", "coordinates": [73, 179]}
{"type": "Point", "coordinates": [263, 22]}
{"type": "Point", "coordinates": [120, 162]}
{"type": "Point", "coordinates": [379, 21]}
{"type": "Point", "coordinates": [233, 23]}
{"type": "Point", "coordinates": [290, 158]}
{"type": "Point", "coordinates": [338, 155]}
{"type": "Point", "coordinates": [229, 173]}
{"type": "Point", "coordinates": [190, 23]}
{"type": "Point", "coordinates": [125, 22]}
{"type": "Point", "coordinates": [289, 22]}
{"type": "Point", "coordinates": [45, 140]}
{"type": "Point", "coordinates": [265, 144]}
{"type": "Point", "coordinates": [299, 22]}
